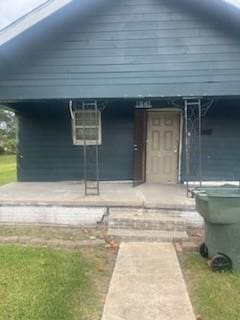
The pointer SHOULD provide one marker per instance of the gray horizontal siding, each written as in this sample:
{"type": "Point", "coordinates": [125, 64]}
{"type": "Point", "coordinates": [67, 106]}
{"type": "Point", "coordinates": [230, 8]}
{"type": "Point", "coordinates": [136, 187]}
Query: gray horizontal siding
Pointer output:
{"type": "Point", "coordinates": [46, 152]}
{"type": "Point", "coordinates": [128, 49]}
{"type": "Point", "coordinates": [221, 157]}
{"type": "Point", "coordinates": [156, 60]}
{"type": "Point", "coordinates": [136, 52]}
{"type": "Point", "coordinates": [134, 67]}
{"type": "Point", "coordinates": [220, 149]}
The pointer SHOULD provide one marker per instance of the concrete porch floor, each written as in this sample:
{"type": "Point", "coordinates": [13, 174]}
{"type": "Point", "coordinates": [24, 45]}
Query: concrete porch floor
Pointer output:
{"type": "Point", "coordinates": [112, 194]}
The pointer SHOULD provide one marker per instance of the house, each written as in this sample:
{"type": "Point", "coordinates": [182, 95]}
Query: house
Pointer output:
{"type": "Point", "coordinates": [146, 91]}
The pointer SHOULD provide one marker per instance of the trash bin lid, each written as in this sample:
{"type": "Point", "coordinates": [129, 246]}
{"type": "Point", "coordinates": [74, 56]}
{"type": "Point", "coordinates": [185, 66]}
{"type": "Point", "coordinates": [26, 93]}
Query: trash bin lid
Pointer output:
{"type": "Point", "coordinates": [220, 192]}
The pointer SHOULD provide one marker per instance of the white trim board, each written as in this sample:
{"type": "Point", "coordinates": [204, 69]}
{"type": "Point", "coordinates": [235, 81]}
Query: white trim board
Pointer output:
{"type": "Point", "coordinates": [30, 19]}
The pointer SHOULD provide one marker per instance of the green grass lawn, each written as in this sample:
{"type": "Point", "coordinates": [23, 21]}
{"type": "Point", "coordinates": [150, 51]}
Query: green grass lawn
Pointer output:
{"type": "Point", "coordinates": [44, 284]}
{"type": "Point", "coordinates": [214, 296]}
{"type": "Point", "coordinates": [7, 169]}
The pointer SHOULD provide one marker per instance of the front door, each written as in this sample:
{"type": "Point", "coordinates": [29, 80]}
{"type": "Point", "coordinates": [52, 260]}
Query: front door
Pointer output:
{"type": "Point", "coordinates": [163, 135]}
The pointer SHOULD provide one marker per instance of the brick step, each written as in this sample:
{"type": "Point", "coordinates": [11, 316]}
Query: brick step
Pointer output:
{"type": "Point", "coordinates": [129, 235]}
{"type": "Point", "coordinates": [146, 220]}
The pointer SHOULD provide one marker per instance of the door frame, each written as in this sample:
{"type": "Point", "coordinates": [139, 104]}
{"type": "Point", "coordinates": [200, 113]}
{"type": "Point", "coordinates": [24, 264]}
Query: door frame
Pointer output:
{"type": "Point", "coordinates": [180, 147]}
{"type": "Point", "coordinates": [141, 148]}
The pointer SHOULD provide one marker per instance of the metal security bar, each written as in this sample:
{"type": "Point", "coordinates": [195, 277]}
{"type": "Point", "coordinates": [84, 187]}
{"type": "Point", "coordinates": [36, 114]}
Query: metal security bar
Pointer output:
{"type": "Point", "coordinates": [86, 118]}
{"type": "Point", "coordinates": [195, 109]}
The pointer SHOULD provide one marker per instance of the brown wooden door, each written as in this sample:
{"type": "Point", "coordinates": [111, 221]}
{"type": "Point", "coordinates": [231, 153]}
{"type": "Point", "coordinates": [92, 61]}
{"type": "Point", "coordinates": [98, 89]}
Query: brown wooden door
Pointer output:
{"type": "Point", "coordinates": [162, 147]}
{"type": "Point", "coordinates": [139, 151]}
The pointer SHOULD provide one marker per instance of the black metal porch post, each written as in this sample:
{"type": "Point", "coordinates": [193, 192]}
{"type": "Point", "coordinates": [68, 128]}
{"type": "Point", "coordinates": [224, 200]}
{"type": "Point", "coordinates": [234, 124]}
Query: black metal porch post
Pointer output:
{"type": "Point", "coordinates": [193, 141]}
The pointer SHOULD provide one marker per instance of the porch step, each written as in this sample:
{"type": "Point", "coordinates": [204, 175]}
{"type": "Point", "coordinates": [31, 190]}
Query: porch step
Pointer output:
{"type": "Point", "coordinates": [131, 235]}
{"type": "Point", "coordinates": [144, 219]}
{"type": "Point", "coordinates": [146, 225]}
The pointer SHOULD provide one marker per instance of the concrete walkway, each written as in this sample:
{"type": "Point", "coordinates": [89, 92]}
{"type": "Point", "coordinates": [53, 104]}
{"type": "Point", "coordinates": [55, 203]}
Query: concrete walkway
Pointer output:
{"type": "Point", "coordinates": [147, 284]}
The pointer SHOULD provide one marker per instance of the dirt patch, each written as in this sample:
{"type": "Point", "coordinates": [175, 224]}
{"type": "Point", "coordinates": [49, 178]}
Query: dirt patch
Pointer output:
{"type": "Point", "coordinates": [104, 258]}
{"type": "Point", "coordinates": [195, 238]}
{"type": "Point", "coordinates": [48, 233]}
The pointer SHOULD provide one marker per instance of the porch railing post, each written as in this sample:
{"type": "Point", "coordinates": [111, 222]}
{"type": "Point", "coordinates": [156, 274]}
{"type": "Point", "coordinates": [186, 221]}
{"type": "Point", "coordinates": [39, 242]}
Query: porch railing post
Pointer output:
{"type": "Point", "coordinates": [91, 150]}
{"type": "Point", "coordinates": [193, 141]}
{"type": "Point", "coordinates": [200, 139]}
{"type": "Point", "coordinates": [187, 169]}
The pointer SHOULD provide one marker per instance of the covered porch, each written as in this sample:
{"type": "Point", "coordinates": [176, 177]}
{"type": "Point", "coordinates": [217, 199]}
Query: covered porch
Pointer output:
{"type": "Point", "coordinates": [158, 141]}
{"type": "Point", "coordinates": [162, 147]}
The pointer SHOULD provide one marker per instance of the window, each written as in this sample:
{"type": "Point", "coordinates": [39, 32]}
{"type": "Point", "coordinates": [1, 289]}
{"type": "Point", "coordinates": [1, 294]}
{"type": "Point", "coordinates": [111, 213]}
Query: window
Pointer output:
{"type": "Point", "coordinates": [91, 130]}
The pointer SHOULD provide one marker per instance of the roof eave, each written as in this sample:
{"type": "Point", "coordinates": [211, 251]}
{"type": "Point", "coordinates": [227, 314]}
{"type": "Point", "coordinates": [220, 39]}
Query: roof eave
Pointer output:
{"type": "Point", "coordinates": [31, 19]}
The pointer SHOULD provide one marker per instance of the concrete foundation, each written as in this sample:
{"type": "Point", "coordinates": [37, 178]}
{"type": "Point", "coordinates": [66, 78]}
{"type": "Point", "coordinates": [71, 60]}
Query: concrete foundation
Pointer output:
{"type": "Point", "coordinates": [51, 215]}
{"type": "Point", "coordinates": [64, 203]}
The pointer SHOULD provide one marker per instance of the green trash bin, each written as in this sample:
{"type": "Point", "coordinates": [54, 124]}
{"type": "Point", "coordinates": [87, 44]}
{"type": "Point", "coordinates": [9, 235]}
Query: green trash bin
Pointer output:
{"type": "Point", "coordinates": [220, 208]}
